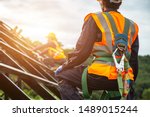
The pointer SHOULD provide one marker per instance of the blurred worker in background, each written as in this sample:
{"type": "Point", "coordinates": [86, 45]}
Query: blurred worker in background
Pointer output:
{"type": "Point", "coordinates": [53, 50]}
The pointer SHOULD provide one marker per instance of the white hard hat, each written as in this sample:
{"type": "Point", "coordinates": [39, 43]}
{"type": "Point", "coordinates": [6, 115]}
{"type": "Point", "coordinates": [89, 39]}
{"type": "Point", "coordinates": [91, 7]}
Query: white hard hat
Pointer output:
{"type": "Point", "coordinates": [113, 1]}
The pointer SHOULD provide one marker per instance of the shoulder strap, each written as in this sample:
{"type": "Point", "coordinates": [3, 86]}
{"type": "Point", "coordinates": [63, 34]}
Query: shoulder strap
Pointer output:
{"type": "Point", "coordinates": [112, 22]}
{"type": "Point", "coordinates": [126, 26]}
{"type": "Point", "coordinates": [113, 25]}
{"type": "Point", "coordinates": [125, 32]}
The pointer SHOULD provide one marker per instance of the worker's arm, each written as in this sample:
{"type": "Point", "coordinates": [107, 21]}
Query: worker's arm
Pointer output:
{"type": "Point", "coordinates": [40, 47]}
{"type": "Point", "coordinates": [49, 44]}
{"type": "Point", "coordinates": [134, 57]}
{"type": "Point", "coordinates": [89, 35]}
{"type": "Point", "coordinates": [45, 47]}
{"type": "Point", "coordinates": [44, 51]}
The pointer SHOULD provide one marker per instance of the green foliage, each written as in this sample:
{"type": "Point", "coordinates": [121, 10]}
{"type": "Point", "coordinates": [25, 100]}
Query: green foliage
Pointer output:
{"type": "Point", "coordinates": [143, 80]}
{"type": "Point", "coordinates": [36, 43]}
{"type": "Point", "coordinates": [32, 94]}
{"type": "Point", "coordinates": [96, 95]}
{"type": "Point", "coordinates": [146, 94]}
{"type": "Point", "coordinates": [1, 94]}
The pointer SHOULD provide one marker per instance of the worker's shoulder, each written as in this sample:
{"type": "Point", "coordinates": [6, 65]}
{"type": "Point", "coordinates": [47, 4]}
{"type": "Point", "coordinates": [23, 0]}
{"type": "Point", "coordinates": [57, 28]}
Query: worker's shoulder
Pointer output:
{"type": "Point", "coordinates": [91, 15]}
{"type": "Point", "coordinates": [133, 23]}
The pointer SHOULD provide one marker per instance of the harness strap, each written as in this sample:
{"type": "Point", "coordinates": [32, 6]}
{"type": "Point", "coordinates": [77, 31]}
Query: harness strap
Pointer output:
{"type": "Point", "coordinates": [85, 91]}
{"type": "Point", "coordinates": [107, 59]}
{"type": "Point", "coordinates": [125, 31]}
{"type": "Point", "coordinates": [113, 25]}
{"type": "Point", "coordinates": [120, 84]}
{"type": "Point", "coordinates": [107, 94]}
{"type": "Point", "coordinates": [112, 22]}
{"type": "Point", "coordinates": [126, 26]}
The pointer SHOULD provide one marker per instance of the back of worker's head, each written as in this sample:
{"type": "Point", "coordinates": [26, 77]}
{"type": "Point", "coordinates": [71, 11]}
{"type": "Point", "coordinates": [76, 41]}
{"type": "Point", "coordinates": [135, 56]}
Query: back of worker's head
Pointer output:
{"type": "Point", "coordinates": [110, 4]}
{"type": "Point", "coordinates": [51, 36]}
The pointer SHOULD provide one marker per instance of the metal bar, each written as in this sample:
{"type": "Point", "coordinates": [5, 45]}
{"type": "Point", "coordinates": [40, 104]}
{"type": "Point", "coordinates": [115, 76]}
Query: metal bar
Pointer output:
{"type": "Point", "coordinates": [31, 69]}
{"type": "Point", "coordinates": [24, 75]}
{"type": "Point", "coordinates": [14, 92]}
{"type": "Point", "coordinates": [30, 80]}
{"type": "Point", "coordinates": [18, 54]}
{"type": "Point", "coordinates": [10, 41]}
{"type": "Point", "coordinates": [13, 43]}
{"type": "Point", "coordinates": [4, 27]}
{"type": "Point", "coordinates": [27, 62]}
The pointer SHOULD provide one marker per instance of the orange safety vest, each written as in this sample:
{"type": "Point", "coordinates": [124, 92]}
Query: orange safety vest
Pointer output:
{"type": "Point", "coordinates": [104, 48]}
{"type": "Point", "coordinates": [56, 53]}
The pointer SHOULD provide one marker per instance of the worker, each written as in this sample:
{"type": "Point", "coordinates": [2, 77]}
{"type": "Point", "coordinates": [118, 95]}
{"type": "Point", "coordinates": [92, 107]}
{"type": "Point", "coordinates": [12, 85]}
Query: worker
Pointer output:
{"type": "Point", "coordinates": [53, 50]}
{"type": "Point", "coordinates": [108, 36]}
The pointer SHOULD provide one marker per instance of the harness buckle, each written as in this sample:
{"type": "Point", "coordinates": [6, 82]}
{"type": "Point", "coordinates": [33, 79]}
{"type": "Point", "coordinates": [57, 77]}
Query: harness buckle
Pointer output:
{"type": "Point", "coordinates": [120, 65]}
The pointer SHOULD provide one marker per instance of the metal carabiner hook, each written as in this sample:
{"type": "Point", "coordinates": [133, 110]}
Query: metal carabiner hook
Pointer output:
{"type": "Point", "coordinates": [120, 65]}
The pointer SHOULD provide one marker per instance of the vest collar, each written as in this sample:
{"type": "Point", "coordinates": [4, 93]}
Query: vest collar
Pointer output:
{"type": "Point", "coordinates": [110, 9]}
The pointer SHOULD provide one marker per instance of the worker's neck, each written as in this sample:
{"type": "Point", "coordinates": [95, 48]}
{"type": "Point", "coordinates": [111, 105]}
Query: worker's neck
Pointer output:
{"type": "Point", "coordinates": [108, 9]}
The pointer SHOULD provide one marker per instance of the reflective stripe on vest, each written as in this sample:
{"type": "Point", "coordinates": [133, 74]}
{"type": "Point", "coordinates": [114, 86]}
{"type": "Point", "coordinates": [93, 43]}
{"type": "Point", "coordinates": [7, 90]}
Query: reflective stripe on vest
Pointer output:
{"type": "Point", "coordinates": [105, 48]}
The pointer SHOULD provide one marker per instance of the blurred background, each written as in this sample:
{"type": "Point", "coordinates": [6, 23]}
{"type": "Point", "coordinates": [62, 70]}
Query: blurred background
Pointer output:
{"type": "Point", "coordinates": [65, 18]}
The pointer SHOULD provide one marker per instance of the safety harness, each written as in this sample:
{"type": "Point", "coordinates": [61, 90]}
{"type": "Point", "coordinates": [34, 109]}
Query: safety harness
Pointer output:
{"type": "Point", "coordinates": [119, 57]}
